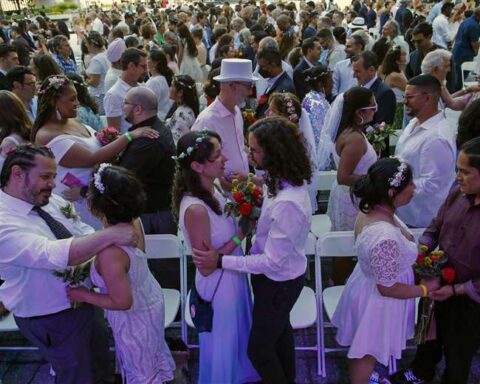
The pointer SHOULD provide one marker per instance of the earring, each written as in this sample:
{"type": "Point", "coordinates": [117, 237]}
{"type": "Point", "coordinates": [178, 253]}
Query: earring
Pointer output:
{"type": "Point", "coordinates": [57, 114]}
{"type": "Point", "coordinates": [361, 121]}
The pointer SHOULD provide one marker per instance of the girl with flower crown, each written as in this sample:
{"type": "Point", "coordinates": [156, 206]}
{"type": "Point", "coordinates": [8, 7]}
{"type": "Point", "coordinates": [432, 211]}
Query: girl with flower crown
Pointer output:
{"type": "Point", "coordinates": [199, 206]}
{"type": "Point", "coordinates": [375, 314]}
{"type": "Point", "coordinates": [132, 298]}
{"type": "Point", "coordinates": [75, 146]}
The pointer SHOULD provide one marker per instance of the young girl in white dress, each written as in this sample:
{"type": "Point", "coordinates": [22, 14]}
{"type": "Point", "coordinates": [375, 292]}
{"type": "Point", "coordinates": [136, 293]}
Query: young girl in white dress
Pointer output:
{"type": "Point", "coordinates": [375, 315]}
{"type": "Point", "coordinates": [132, 298]}
{"type": "Point", "coordinates": [199, 207]}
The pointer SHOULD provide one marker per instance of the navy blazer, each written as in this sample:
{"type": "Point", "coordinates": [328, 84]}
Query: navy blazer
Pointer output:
{"type": "Point", "coordinates": [282, 85]}
{"type": "Point", "coordinates": [299, 79]}
{"type": "Point", "coordinates": [386, 102]}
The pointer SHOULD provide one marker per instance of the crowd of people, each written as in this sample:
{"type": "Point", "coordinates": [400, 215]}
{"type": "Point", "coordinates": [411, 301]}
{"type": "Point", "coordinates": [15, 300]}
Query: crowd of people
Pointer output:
{"type": "Point", "coordinates": [167, 109]}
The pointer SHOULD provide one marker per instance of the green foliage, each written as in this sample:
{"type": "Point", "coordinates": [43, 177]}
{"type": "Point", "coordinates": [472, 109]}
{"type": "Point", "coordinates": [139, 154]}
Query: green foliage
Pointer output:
{"type": "Point", "coordinates": [60, 8]}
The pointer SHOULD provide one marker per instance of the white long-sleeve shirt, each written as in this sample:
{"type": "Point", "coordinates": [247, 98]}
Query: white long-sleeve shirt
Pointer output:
{"type": "Point", "coordinates": [279, 249]}
{"type": "Point", "coordinates": [30, 253]}
{"type": "Point", "coordinates": [429, 149]}
{"type": "Point", "coordinates": [442, 34]}
{"type": "Point", "coordinates": [343, 77]}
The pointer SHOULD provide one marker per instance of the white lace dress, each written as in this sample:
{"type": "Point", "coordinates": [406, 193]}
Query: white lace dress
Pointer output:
{"type": "Point", "coordinates": [368, 322]}
{"type": "Point", "coordinates": [191, 66]}
{"type": "Point", "coordinates": [341, 210]}
{"type": "Point", "coordinates": [139, 333]}
{"type": "Point", "coordinates": [223, 352]}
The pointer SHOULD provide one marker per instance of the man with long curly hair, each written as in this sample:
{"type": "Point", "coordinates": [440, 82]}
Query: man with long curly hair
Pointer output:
{"type": "Point", "coordinates": [277, 259]}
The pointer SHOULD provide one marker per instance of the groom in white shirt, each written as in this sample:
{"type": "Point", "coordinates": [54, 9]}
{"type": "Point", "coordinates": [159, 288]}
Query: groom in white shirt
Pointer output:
{"type": "Point", "coordinates": [277, 260]}
{"type": "Point", "coordinates": [36, 239]}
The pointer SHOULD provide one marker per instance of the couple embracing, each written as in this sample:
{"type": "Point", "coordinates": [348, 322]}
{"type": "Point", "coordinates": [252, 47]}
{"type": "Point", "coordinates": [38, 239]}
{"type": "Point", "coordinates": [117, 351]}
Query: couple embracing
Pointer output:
{"type": "Point", "coordinates": [241, 347]}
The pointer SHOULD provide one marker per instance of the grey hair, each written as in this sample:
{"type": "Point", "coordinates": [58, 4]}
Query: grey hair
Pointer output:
{"type": "Point", "coordinates": [238, 22]}
{"type": "Point", "coordinates": [267, 42]}
{"type": "Point", "coordinates": [396, 25]}
{"type": "Point", "coordinates": [434, 59]}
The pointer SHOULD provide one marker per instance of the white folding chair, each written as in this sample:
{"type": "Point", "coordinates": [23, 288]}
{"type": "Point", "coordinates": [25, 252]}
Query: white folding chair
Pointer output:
{"type": "Point", "coordinates": [325, 180]}
{"type": "Point", "coordinates": [320, 225]}
{"type": "Point", "coordinates": [469, 66]}
{"type": "Point", "coordinates": [168, 247]}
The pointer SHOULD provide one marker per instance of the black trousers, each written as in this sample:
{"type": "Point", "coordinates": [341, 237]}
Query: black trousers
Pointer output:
{"type": "Point", "coordinates": [458, 338]}
{"type": "Point", "coordinates": [74, 342]}
{"type": "Point", "coordinates": [271, 346]}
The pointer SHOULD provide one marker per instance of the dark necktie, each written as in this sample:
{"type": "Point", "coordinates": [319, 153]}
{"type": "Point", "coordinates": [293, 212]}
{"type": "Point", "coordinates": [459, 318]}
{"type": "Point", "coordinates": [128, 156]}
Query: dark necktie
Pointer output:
{"type": "Point", "coordinates": [58, 229]}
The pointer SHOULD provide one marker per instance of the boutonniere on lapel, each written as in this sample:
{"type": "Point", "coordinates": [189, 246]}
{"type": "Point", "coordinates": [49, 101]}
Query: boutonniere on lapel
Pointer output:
{"type": "Point", "coordinates": [263, 99]}
{"type": "Point", "coordinates": [69, 212]}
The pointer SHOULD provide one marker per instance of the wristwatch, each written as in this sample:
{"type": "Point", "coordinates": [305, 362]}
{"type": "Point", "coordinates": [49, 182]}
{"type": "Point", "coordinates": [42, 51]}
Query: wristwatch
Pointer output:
{"type": "Point", "coordinates": [219, 261]}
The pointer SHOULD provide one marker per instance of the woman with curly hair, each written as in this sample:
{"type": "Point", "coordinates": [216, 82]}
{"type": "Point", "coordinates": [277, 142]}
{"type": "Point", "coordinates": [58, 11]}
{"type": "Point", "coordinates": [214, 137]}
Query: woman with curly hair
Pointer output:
{"type": "Point", "coordinates": [277, 260]}
{"type": "Point", "coordinates": [199, 208]}
{"type": "Point", "coordinates": [188, 55]}
{"type": "Point", "coordinates": [75, 146]}
{"type": "Point", "coordinates": [185, 109]}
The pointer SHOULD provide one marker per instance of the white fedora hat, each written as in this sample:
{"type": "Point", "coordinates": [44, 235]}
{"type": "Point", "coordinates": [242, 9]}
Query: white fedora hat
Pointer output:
{"type": "Point", "coordinates": [235, 70]}
{"type": "Point", "coordinates": [357, 22]}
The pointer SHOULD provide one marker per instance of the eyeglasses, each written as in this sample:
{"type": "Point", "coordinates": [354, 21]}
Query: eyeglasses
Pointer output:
{"type": "Point", "coordinates": [374, 107]}
{"type": "Point", "coordinates": [411, 96]}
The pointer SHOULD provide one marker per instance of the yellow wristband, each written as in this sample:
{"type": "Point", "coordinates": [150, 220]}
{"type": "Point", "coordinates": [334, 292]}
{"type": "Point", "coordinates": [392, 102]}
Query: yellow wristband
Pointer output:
{"type": "Point", "coordinates": [236, 240]}
{"type": "Point", "coordinates": [424, 289]}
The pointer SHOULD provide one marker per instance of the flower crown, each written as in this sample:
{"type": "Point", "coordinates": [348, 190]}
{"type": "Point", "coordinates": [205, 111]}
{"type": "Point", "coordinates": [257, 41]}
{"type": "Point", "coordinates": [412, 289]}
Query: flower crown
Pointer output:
{"type": "Point", "coordinates": [183, 84]}
{"type": "Point", "coordinates": [317, 77]}
{"type": "Point", "coordinates": [191, 148]}
{"type": "Point", "coordinates": [398, 176]}
{"type": "Point", "coordinates": [97, 177]}
{"type": "Point", "coordinates": [57, 83]}
{"type": "Point", "coordinates": [292, 115]}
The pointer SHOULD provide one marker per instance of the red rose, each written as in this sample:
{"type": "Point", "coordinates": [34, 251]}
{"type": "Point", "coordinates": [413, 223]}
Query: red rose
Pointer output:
{"type": "Point", "coordinates": [420, 258]}
{"type": "Point", "coordinates": [257, 194]}
{"type": "Point", "coordinates": [238, 197]}
{"type": "Point", "coordinates": [448, 275]}
{"type": "Point", "coordinates": [262, 100]}
{"type": "Point", "coordinates": [245, 209]}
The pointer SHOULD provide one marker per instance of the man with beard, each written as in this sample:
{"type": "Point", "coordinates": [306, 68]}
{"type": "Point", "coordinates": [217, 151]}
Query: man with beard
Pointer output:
{"type": "Point", "coordinates": [38, 237]}
{"type": "Point", "coordinates": [427, 144]}
{"type": "Point", "coordinates": [134, 69]}
{"type": "Point", "coordinates": [343, 78]}
{"type": "Point", "coordinates": [224, 117]}
{"type": "Point", "coordinates": [150, 160]}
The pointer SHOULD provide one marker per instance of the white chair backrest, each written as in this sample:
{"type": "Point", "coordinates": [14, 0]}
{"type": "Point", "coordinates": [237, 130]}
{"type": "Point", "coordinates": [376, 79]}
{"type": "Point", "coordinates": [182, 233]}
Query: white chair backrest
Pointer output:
{"type": "Point", "coordinates": [310, 245]}
{"type": "Point", "coordinates": [468, 66]}
{"type": "Point", "coordinates": [162, 247]}
{"type": "Point", "coordinates": [325, 180]}
{"type": "Point", "coordinates": [336, 244]}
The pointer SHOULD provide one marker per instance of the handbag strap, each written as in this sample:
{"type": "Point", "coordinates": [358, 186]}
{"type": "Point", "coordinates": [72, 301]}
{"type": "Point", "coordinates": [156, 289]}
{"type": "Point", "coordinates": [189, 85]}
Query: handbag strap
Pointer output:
{"type": "Point", "coordinates": [218, 283]}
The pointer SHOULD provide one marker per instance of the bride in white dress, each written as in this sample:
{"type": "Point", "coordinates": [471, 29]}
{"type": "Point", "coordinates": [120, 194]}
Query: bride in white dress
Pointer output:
{"type": "Point", "coordinates": [199, 206]}
{"type": "Point", "coordinates": [343, 138]}
{"type": "Point", "coordinates": [375, 315]}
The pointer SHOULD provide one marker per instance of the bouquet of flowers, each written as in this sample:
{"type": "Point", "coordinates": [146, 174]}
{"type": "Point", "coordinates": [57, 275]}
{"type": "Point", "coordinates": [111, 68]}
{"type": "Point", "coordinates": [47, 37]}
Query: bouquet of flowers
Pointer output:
{"type": "Point", "coordinates": [75, 276]}
{"type": "Point", "coordinates": [247, 202]}
{"type": "Point", "coordinates": [429, 266]}
{"type": "Point", "coordinates": [378, 134]}
{"type": "Point", "coordinates": [248, 119]}
{"type": "Point", "coordinates": [107, 135]}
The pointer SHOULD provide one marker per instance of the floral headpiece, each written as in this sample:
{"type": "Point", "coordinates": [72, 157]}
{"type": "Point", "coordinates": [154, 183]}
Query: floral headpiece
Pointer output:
{"type": "Point", "coordinates": [55, 82]}
{"type": "Point", "coordinates": [292, 115]}
{"type": "Point", "coordinates": [183, 84]}
{"type": "Point", "coordinates": [191, 148]}
{"type": "Point", "coordinates": [97, 177]}
{"type": "Point", "coordinates": [398, 176]}
{"type": "Point", "coordinates": [317, 77]}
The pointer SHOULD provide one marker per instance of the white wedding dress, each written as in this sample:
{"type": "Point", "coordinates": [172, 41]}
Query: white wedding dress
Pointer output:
{"type": "Point", "coordinates": [372, 324]}
{"type": "Point", "coordinates": [342, 212]}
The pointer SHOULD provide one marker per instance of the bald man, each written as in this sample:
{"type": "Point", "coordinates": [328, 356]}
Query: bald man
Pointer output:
{"type": "Point", "coordinates": [150, 160]}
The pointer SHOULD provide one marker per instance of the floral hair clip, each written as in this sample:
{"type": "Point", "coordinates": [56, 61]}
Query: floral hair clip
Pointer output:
{"type": "Point", "coordinates": [97, 177]}
{"type": "Point", "coordinates": [292, 115]}
{"type": "Point", "coordinates": [191, 148]}
{"type": "Point", "coordinates": [54, 82]}
{"type": "Point", "coordinates": [398, 176]}
{"type": "Point", "coordinates": [183, 84]}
